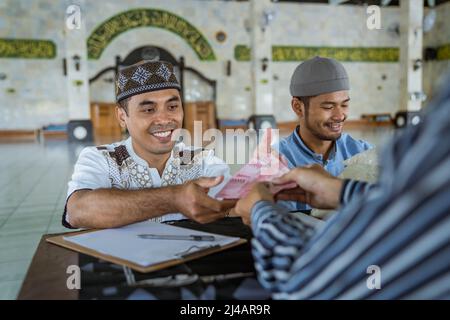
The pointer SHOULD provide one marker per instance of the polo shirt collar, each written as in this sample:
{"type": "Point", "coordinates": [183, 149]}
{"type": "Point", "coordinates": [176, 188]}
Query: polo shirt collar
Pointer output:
{"type": "Point", "coordinates": [304, 148]}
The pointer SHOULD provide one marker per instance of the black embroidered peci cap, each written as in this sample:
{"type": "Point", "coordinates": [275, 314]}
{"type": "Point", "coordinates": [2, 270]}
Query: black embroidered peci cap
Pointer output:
{"type": "Point", "coordinates": [143, 77]}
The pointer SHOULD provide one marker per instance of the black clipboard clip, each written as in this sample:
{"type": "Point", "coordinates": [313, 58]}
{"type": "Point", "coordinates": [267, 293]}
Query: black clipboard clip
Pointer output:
{"type": "Point", "coordinates": [202, 249]}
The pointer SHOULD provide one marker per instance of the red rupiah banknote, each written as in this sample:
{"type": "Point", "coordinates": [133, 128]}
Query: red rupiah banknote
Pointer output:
{"type": "Point", "coordinates": [265, 166]}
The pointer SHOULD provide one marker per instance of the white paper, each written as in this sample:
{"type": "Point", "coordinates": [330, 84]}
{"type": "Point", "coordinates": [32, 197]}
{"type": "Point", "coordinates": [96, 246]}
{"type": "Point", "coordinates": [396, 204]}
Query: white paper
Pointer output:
{"type": "Point", "coordinates": [124, 242]}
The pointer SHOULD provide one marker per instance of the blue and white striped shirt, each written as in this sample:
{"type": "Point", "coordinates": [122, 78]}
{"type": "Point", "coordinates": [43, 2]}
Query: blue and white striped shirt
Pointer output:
{"type": "Point", "coordinates": [401, 225]}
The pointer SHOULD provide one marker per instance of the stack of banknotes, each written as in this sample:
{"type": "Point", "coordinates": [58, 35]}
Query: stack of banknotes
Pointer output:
{"type": "Point", "coordinates": [265, 165]}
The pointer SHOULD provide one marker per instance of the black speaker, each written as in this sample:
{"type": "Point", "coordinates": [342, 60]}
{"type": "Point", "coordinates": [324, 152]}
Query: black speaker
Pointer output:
{"type": "Point", "coordinates": [407, 118]}
{"type": "Point", "coordinates": [80, 131]}
{"type": "Point", "coordinates": [262, 122]}
{"type": "Point", "coordinates": [430, 54]}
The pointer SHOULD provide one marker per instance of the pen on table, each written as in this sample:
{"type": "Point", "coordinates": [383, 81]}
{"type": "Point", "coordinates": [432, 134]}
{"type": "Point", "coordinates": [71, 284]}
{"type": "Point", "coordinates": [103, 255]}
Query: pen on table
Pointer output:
{"type": "Point", "coordinates": [177, 237]}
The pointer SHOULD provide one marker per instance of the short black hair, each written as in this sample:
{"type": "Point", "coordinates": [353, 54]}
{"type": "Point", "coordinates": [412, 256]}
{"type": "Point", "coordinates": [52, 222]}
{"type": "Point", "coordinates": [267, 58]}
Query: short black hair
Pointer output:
{"type": "Point", "coordinates": [305, 100]}
{"type": "Point", "coordinates": [124, 104]}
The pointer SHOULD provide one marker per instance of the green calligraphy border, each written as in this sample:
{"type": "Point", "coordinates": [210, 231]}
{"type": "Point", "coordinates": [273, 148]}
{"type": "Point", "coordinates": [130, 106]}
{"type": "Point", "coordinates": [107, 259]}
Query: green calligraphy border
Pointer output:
{"type": "Point", "coordinates": [443, 52]}
{"type": "Point", "coordinates": [351, 54]}
{"type": "Point", "coordinates": [124, 21]}
{"type": "Point", "coordinates": [27, 48]}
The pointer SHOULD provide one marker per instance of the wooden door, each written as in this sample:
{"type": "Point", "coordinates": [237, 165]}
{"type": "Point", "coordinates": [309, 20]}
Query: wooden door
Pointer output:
{"type": "Point", "coordinates": [203, 111]}
{"type": "Point", "coordinates": [104, 120]}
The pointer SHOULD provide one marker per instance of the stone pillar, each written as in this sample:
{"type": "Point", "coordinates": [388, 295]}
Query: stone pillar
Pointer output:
{"type": "Point", "coordinates": [79, 126]}
{"type": "Point", "coordinates": [411, 63]}
{"type": "Point", "coordinates": [261, 14]}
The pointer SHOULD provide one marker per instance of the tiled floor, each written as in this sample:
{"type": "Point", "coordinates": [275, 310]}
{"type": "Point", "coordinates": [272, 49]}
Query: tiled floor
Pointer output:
{"type": "Point", "coordinates": [33, 180]}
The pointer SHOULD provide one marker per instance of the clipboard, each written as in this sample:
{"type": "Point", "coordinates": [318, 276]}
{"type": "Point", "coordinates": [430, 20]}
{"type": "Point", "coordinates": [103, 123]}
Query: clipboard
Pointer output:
{"type": "Point", "coordinates": [60, 241]}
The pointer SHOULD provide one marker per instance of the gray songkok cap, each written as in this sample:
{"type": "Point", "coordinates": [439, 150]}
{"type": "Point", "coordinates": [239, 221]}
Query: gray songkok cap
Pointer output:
{"type": "Point", "coordinates": [318, 76]}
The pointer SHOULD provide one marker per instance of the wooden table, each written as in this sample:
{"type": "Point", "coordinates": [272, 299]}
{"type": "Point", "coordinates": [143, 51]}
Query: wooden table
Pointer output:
{"type": "Point", "coordinates": [47, 275]}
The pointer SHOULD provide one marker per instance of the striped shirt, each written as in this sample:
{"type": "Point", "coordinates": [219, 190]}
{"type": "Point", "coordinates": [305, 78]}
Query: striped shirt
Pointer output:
{"type": "Point", "coordinates": [400, 225]}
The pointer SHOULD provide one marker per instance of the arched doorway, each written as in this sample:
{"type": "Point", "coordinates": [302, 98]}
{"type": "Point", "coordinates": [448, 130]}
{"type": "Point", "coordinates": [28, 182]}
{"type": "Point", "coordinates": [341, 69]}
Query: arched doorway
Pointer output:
{"type": "Point", "coordinates": [149, 53]}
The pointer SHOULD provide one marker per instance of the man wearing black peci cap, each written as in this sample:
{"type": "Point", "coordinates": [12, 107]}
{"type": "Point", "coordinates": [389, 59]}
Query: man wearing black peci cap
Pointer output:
{"type": "Point", "coordinates": [144, 176]}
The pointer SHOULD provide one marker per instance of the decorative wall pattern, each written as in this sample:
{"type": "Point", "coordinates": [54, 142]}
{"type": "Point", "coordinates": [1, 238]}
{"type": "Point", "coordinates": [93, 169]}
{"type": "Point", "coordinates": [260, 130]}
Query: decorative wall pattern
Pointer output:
{"type": "Point", "coordinates": [345, 54]}
{"type": "Point", "coordinates": [242, 52]}
{"type": "Point", "coordinates": [124, 21]}
{"type": "Point", "coordinates": [34, 92]}
{"type": "Point", "coordinates": [27, 48]}
{"type": "Point", "coordinates": [291, 53]}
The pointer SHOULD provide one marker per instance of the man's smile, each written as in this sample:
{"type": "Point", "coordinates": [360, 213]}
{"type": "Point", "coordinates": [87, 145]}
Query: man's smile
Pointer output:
{"type": "Point", "coordinates": [163, 136]}
{"type": "Point", "coordinates": [335, 126]}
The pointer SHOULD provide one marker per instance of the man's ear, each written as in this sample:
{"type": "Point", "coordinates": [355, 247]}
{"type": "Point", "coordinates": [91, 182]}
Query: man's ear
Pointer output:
{"type": "Point", "coordinates": [121, 115]}
{"type": "Point", "coordinates": [298, 107]}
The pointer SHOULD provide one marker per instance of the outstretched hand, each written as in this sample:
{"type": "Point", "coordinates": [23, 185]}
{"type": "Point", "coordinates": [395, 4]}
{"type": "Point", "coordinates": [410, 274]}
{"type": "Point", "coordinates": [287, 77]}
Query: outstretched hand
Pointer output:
{"type": "Point", "coordinates": [259, 191]}
{"type": "Point", "coordinates": [316, 187]}
{"type": "Point", "coordinates": [195, 203]}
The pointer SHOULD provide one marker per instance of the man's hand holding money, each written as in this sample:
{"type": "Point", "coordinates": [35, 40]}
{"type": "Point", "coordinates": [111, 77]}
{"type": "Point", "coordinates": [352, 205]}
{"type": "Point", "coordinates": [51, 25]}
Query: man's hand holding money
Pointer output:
{"type": "Point", "coordinates": [193, 201]}
{"type": "Point", "coordinates": [316, 187]}
{"type": "Point", "coordinates": [258, 192]}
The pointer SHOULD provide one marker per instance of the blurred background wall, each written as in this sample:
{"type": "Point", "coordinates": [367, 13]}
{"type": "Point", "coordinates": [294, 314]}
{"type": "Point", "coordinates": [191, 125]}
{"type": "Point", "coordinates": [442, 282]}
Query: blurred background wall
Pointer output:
{"type": "Point", "coordinates": [33, 43]}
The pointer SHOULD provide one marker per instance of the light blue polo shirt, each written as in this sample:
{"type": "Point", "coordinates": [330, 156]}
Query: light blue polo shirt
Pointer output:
{"type": "Point", "coordinates": [298, 154]}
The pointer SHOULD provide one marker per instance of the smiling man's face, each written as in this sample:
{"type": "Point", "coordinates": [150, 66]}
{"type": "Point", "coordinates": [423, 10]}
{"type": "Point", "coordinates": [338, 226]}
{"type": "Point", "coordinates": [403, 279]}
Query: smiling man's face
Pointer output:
{"type": "Point", "coordinates": [325, 115]}
{"type": "Point", "coordinates": [151, 118]}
